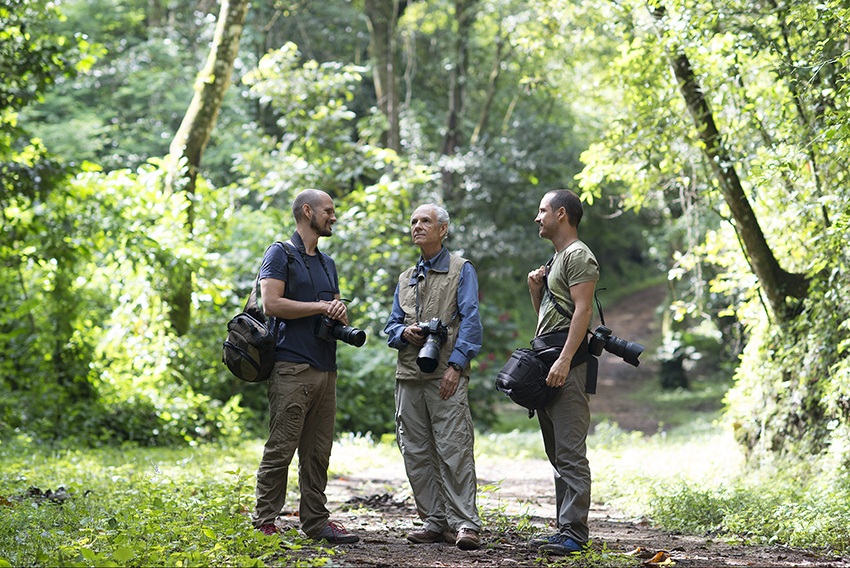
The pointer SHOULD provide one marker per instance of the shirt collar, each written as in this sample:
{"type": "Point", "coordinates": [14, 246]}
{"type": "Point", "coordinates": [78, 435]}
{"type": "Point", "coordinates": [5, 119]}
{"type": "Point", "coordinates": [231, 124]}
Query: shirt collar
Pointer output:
{"type": "Point", "coordinates": [439, 263]}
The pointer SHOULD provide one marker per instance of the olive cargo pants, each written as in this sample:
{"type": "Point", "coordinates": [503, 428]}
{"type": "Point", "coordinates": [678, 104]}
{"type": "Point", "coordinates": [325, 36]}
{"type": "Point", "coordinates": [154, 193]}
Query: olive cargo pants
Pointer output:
{"type": "Point", "coordinates": [564, 424]}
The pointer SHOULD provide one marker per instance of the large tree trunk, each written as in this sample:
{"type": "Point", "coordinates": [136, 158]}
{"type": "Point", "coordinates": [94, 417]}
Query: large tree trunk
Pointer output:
{"type": "Point", "coordinates": [383, 16]}
{"type": "Point", "coordinates": [777, 283]}
{"type": "Point", "coordinates": [192, 137]}
{"type": "Point", "coordinates": [464, 17]}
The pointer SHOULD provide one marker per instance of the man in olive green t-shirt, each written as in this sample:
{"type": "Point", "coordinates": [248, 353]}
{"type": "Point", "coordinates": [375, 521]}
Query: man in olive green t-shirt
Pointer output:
{"type": "Point", "coordinates": [571, 277]}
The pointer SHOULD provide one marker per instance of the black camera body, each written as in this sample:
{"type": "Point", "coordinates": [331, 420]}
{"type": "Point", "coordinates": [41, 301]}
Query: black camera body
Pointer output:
{"type": "Point", "coordinates": [330, 329]}
{"type": "Point", "coordinates": [601, 338]}
{"type": "Point", "coordinates": [436, 333]}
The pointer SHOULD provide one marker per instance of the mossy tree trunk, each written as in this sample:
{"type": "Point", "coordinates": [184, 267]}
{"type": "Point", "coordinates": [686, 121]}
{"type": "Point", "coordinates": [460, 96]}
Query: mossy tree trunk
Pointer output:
{"type": "Point", "coordinates": [191, 139]}
{"type": "Point", "coordinates": [777, 283]}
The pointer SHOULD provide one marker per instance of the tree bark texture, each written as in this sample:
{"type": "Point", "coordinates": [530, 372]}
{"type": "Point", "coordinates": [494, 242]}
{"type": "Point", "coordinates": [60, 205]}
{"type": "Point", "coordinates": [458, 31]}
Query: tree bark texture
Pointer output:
{"type": "Point", "coordinates": [777, 283]}
{"type": "Point", "coordinates": [192, 137]}
{"type": "Point", "coordinates": [382, 16]}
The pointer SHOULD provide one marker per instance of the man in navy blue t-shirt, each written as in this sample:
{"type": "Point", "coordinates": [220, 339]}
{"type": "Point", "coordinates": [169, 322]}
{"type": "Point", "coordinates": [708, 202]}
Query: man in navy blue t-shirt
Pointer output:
{"type": "Point", "coordinates": [299, 286]}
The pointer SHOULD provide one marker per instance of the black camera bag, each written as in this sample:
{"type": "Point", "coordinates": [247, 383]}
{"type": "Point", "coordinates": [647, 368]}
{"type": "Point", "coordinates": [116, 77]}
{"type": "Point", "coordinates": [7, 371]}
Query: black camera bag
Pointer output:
{"type": "Point", "coordinates": [523, 379]}
{"type": "Point", "coordinates": [249, 350]}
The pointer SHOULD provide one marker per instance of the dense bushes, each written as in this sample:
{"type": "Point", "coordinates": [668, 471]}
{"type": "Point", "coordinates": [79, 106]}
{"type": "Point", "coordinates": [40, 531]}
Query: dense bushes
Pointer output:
{"type": "Point", "coordinates": [792, 394]}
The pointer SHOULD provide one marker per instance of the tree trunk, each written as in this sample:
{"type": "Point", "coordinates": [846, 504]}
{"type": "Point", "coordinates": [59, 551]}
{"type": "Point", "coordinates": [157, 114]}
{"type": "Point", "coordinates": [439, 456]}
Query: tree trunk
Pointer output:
{"type": "Point", "coordinates": [777, 283]}
{"type": "Point", "coordinates": [382, 16]}
{"type": "Point", "coordinates": [464, 17]}
{"type": "Point", "coordinates": [192, 137]}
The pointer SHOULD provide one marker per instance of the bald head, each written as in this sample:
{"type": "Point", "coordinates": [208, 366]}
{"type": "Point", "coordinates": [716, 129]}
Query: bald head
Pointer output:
{"type": "Point", "coordinates": [313, 197]}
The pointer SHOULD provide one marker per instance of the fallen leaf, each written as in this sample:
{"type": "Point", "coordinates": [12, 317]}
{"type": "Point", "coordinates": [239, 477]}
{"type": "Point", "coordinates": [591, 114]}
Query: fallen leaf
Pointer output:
{"type": "Point", "coordinates": [639, 552]}
{"type": "Point", "coordinates": [660, 559]}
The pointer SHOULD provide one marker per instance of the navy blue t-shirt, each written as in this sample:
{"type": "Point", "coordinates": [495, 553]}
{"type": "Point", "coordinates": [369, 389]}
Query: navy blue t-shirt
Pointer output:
{"type": "Point", "coordinates": [296, 340]}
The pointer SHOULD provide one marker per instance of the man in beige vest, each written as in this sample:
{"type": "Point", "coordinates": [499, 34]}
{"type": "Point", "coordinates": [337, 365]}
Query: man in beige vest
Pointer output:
{"type": "Point", "coordinates": [437, 330]}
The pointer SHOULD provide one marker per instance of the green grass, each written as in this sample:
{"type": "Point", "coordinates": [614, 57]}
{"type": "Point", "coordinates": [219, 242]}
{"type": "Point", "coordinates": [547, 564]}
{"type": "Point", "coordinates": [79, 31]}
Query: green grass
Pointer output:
{"type": "Point", "coordinates": [131, 506]}
{"type": "Point", "coordinates": [189, 506]}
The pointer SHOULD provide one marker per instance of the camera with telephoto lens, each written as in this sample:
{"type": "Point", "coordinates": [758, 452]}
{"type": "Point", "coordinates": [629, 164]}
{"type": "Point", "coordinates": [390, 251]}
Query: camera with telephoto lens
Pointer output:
{"type": "Point", "coordinates": [331, 329]}
{"type": "Point", "coordinates": [601, 338]}
{"type": "Point", "coordinates": [435, 332]}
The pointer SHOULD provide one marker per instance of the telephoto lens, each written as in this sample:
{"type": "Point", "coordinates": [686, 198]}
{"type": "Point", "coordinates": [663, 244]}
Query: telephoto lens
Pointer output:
{"type": "Point", "coordinates": [435, 333]}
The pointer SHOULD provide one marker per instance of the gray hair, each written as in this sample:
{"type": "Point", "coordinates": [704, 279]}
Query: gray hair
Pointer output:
{"type": "Point", "coordinates": [442, 215]}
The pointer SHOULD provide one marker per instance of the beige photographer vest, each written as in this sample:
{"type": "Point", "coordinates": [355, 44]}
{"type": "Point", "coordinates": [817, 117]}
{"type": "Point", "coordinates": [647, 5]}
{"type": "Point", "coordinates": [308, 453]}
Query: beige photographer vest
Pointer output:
{"type": "Point", "coordinates": [437, 298]}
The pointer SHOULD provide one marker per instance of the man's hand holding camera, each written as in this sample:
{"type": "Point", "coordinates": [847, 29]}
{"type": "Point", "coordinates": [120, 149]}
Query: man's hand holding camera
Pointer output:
{"type": "Point", "coordinates": [336, 310]}
{"type": "Point", "coordinates": [413, 335]}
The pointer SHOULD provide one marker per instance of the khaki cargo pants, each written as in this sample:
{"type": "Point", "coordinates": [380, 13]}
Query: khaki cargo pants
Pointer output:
{"type": "Point", "coordinates": [302, 410]}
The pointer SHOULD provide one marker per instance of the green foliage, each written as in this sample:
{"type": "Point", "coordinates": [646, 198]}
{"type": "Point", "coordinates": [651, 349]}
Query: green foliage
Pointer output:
{"type": "Point", "coordinates": [127, 107]}
{"type": "Point", "coordinates": [801, 384]}
{"type": "Point", "coordinates": [151, 508]}
{"type": "Point", "coordinates": [311, 144]}
{"type": "Point", "coordinates": [775, 81]}
{"type": "Point", "coordinates": [765, 515]}
{"type": "Point", "coordinates": [98, 359]}
{"type": "Point", "coordinates": [32, 57]}
{"type": "Point", "coordinates": [365, 392]}
{"type": "Point", "coordinates": [695, 480]}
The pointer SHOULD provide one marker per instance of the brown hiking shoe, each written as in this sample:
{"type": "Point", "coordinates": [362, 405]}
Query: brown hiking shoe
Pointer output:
{"type": "Point", "coordinates": [424, 536]}
{"type": "Point", "coordinates": [467, 539]}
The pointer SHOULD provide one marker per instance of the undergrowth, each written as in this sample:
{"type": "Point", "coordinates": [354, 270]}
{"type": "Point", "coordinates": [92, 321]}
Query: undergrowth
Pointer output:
{"type": "Point", "coordinates": [695, 480]}
{"type": "Point", "coordinates": [190, 506]}
{"type": "Point", "coordinates": [136, 506]}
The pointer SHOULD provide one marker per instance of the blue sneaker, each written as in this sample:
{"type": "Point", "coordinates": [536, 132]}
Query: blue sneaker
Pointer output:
{"type": "Point", "coordinates": [561, 545]}
{"type": "Point", "coordinates": [539, 541]}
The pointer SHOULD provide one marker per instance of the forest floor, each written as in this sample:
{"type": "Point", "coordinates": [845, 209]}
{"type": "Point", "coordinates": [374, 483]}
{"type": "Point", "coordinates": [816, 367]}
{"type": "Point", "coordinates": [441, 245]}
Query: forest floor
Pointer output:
{"type": "Point", "coordinates": [376, 503]}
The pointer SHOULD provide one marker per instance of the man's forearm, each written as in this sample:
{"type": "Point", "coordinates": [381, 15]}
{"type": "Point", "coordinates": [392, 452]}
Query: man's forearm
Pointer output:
{"type": "Point", "coordinates": [577, 333]}
{"type": "Point", "coordinates": [536, 299]}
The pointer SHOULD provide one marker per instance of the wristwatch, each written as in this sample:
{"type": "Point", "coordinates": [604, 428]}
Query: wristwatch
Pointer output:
{"type": "Point", "coordinates": [456, 367]}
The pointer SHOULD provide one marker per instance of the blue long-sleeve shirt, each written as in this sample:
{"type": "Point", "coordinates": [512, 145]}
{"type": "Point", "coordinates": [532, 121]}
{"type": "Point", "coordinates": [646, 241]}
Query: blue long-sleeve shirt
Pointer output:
{"type": "Point", "coordinates": [470, 331]}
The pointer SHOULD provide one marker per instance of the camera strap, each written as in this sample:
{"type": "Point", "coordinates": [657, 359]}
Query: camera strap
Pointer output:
{"type": "Point", "coordinates": [560, 309]}
{"type": "Point", "coordinates": [419, 275]}
{"type": "Point", "coordinates": [302, 250]}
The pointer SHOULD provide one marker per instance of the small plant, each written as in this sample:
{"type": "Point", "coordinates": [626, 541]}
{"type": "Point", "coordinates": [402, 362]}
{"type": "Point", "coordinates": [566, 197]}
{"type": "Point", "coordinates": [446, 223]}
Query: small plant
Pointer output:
{"type": "Point", "coordinates": [498, 520]}
{"type": "Point", "coordinates": [595, 556]}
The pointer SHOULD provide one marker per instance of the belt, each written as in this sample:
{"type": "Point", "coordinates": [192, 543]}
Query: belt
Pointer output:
{"type": "Point", "coordinates": [551, 339]}
{"type": "Point", "coordinates": [549, 345]}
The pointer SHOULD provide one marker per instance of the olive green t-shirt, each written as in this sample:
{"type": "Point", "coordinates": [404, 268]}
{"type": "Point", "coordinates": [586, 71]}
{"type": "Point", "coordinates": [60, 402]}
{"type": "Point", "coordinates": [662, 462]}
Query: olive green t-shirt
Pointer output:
{"type": "Point", "coordinates": [573, 265]}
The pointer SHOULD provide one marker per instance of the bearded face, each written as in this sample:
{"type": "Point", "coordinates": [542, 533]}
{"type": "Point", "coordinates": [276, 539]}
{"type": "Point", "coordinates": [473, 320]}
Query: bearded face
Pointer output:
{"type": "Point", "coordinates": [323, 227]}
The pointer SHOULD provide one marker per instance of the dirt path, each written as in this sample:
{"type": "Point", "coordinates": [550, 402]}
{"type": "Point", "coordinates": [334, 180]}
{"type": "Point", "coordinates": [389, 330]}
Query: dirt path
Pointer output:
{"type": "Point", "coordinates": [377, 503]}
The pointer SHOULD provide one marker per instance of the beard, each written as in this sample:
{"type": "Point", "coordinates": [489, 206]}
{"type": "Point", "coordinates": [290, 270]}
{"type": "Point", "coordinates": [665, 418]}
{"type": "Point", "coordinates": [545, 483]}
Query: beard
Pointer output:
{"type": "Point", "coordinates": [325, 231]}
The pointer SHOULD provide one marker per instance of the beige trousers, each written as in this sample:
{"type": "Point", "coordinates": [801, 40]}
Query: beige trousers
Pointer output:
{"type": "Point", "coordinates": [436, 439]}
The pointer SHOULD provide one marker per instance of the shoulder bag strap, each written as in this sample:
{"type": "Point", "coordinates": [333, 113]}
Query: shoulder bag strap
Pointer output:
{"type": "Point", "coordinates": [558, 307]}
